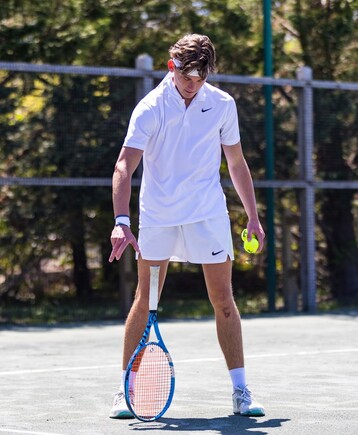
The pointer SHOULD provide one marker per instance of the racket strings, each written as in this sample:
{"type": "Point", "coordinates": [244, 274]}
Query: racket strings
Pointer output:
{"type": "Point", "coordinates": [152, 381]}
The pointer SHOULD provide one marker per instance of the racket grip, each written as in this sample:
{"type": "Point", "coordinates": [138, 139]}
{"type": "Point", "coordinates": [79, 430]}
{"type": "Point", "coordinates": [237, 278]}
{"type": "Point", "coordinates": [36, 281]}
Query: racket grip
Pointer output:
{"type": "Point", "coordinates": [153, 288]}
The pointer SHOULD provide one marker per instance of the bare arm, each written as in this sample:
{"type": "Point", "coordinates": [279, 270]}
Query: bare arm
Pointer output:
{"type": "Point", "coordinates": [242, 181]}
{"type": "Point", "coordinates": [126, 164]}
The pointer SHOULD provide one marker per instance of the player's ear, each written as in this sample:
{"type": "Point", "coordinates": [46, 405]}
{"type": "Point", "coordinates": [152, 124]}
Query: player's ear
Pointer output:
{"type": "Point", "coordinates": [171, 65]}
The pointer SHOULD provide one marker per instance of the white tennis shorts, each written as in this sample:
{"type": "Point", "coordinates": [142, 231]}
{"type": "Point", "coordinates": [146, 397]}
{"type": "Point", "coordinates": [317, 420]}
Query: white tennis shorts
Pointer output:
{"type": "Point", "coordinates": [203, 242]}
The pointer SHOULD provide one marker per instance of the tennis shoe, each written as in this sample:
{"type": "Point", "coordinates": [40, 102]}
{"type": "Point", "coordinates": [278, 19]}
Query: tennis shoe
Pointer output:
{"type": "Point", "coordinates": [120, 408]}
{"type": "Point", "coordinates": [245, 404]}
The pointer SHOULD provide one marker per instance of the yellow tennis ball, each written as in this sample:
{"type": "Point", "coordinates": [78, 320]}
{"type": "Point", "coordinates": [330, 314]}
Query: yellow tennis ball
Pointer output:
{"type": "Point", "coordinates": [244, 235]}
{"type": "Point", "coordinates": [251, 246]}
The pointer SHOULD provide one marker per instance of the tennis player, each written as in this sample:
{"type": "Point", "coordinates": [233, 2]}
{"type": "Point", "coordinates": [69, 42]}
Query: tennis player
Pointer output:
{"type": "Point", "coordinates": [180, 130]}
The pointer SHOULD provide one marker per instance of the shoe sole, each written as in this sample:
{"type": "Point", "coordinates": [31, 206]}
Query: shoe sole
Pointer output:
{"type": "Point", "coordinates": [124, 415]}
{"type": "Point", "coordinates": [251, 414]}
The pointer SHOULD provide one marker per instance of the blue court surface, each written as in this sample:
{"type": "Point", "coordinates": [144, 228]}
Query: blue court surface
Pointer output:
{"type": "Point", "coordinates": [302, 368]}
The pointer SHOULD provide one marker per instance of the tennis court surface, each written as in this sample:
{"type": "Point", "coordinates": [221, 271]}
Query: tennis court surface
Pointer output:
{"type": "Point", "coordinates": [303, 369]}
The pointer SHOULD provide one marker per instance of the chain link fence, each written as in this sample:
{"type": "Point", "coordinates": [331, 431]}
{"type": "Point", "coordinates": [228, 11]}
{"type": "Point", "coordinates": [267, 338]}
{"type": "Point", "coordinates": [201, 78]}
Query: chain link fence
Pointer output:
{"type": "Point", "coordinates": [61, 131]}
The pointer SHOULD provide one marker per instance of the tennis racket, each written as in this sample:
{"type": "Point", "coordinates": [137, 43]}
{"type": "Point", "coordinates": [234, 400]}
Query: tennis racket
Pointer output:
{"type": "Point", "coordinates": [150, 379]}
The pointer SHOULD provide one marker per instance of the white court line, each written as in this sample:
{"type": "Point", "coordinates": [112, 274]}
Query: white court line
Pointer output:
{"type": "Point", "coordinates": [57, 369]}
{"type": "Point", "coordinates": [303, 353]}
{"type": "Point", "coordinates": [273, 355]}
{"type": "Point", "coordinates": [194, 360]}
{"type": "Point", "coordinates": [27, 432]}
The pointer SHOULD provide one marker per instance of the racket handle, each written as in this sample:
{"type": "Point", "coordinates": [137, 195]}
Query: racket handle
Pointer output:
{"type": "Point", "coordinates": [153, 288]}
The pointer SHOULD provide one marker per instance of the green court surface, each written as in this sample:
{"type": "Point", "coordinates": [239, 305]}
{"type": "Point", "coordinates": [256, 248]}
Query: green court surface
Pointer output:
{"type": "Point", "coordinates": [302, 368]}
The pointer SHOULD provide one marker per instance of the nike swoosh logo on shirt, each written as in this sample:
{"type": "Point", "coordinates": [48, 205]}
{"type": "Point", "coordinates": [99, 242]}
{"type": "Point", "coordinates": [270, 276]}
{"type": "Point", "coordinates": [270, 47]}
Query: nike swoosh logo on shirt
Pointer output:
{"type": "Point", "coordinates": [205, 110]}
{"type": "Point", "coordinates": [216, 253]}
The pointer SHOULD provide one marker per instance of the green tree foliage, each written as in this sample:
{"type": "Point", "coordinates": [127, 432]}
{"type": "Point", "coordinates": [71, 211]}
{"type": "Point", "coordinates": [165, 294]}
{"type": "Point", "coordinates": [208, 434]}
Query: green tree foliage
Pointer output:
{"type": "Point", "coordinates": [73, 126]}
{"type": "Point", "coordinates": [328, 34]}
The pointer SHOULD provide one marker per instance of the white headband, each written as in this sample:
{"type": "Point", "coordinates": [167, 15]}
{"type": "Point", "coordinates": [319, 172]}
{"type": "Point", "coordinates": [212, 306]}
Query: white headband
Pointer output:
{"type": "Point", "coordinates": [194, 72]}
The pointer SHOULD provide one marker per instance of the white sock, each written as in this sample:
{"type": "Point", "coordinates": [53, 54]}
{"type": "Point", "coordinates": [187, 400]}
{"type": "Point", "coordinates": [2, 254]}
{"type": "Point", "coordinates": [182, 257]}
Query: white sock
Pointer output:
{"type": "Point", "coordinates": [238, 378]}
{"type": "Point", "coordinates": [121, 388]}
{"type": "Point", "coordinates": [131, 379]}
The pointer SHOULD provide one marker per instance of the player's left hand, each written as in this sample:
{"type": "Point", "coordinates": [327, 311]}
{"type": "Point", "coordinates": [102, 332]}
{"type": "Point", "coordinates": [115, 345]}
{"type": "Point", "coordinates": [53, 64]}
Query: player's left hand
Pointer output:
{"type": "Point", "coordinates": [255, 227]}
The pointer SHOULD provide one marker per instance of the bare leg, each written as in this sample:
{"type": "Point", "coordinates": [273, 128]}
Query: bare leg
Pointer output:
{"type": "Point", "coordinates": [138, 315]}
{"type": "Point", "coordinates": [228, 322]}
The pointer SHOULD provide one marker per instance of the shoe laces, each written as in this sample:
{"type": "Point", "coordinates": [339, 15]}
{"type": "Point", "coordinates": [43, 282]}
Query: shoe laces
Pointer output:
{"type": "Point", "coordinates": [119, 397]}
{"type": "Point", "coordinates": [245, 394]}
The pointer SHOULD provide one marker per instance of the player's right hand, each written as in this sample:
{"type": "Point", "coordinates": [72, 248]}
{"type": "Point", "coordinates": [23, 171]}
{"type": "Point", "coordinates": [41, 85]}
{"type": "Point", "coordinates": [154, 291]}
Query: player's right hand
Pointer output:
{"type": "Point", "coordinates": [121, 237]}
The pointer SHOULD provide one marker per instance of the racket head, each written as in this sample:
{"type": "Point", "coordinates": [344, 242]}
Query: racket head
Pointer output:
{"type": "Point", "coordinates": [152, 389]}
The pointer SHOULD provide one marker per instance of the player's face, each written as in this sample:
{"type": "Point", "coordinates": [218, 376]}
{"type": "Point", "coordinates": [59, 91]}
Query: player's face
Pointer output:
{"type": "Point", "coordinates": [188, 86]}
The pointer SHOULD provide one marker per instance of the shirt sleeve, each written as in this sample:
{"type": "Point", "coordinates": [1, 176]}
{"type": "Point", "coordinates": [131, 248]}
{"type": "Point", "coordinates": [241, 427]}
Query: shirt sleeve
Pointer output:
{"type": "Point", "coordinates": [140, 128]}
{"type": "Point", "coordinates": [230, 131]}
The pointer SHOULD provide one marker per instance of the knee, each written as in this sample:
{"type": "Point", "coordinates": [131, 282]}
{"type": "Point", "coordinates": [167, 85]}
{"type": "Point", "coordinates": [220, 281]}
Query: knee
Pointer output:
{"type": "Point", "coordinates": [223, 302]}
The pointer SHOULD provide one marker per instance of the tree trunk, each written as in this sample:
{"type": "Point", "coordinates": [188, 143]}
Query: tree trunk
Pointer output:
{"type": "Point", "coordinates": [81, 275]}
{"type": "Point", "coordinates": [337, 221]}
{"type": "Point", "coordinates": [341, 250]}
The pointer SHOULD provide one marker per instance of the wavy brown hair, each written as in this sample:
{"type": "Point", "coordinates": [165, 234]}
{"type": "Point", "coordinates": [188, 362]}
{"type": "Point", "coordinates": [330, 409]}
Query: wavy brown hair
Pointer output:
{"type": "Point", "coordinates": [194, 52]}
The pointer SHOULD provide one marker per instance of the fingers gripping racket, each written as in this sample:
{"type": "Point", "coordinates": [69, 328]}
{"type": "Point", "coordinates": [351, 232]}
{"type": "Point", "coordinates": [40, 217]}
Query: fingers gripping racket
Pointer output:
{"type": "Point", "coordinates": [150, 379]}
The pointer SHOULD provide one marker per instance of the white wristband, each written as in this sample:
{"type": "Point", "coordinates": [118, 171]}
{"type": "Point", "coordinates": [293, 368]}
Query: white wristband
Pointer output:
{"type": "Point", "coordinates": [122, 220]}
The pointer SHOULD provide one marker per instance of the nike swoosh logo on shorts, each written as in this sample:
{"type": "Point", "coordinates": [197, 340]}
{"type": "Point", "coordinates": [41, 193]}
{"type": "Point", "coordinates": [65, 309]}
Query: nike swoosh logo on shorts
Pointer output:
{"type": "Point", "coordinates": [216, 253]}
{"type": "Point", "coordinates": [205, 110]}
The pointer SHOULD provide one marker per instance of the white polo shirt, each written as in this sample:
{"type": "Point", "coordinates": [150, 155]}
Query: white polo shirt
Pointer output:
{"type": "Point", "coordinates": [182, 153]}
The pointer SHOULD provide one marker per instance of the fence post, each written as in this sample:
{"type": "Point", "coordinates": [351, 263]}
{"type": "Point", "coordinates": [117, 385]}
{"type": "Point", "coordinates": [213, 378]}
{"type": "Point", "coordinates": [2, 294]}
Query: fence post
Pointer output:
{"type": "Point", "coordinates": [143, 62]}
{"type": "Point", "coordinates": [307, 195]}
{"type": "Point", "coordinates": [269, 159]}
{"type": "Point", "coordinates": [290, 287]}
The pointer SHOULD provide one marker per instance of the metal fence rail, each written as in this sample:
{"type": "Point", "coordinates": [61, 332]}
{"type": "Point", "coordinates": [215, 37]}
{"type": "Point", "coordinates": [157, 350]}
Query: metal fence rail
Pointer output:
{"type": "Point", "coordinates": [142, 72]}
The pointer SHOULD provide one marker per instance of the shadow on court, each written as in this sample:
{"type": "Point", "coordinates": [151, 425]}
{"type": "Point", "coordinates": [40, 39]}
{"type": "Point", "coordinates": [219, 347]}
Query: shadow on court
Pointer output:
{"type": "Point", "coordinates": [221, 425]}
